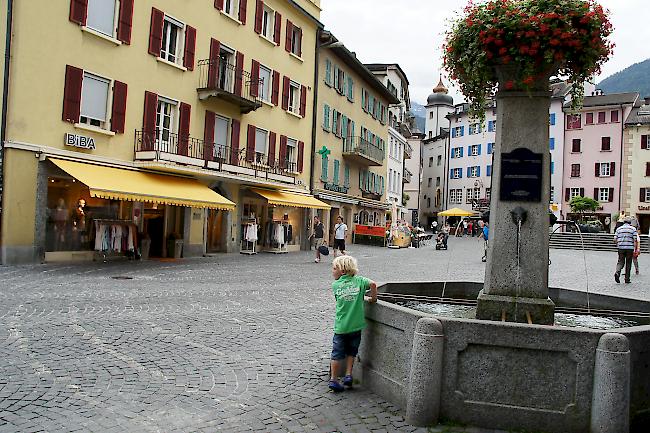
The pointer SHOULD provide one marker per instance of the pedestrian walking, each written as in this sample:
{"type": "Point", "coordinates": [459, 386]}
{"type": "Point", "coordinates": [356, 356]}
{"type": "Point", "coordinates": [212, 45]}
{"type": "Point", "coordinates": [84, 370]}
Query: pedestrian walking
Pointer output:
{"type": "Point", "coordinates": [340, 231]}
{"type": "Point", "coordinates": [349, 292]}
{"type": "Point", "coordinates": [318, 234]}
{"type": "Point", "coordinates": [637, 252]}
{"type": "Point", "coordinates": [464, 227]}
{"type": "Point", "coordinates": [470, 228]}
{"type": "Point", "coordinates": [626, 243]}
{"type": "Point", "coordinates": [485, 234]}
{"type": "Point", "coordinates": [434, 226]}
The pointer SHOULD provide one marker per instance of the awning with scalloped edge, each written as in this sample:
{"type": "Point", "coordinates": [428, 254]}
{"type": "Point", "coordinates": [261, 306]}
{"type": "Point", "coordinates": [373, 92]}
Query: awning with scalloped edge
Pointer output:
{"type": "Point", "coordinates": [281, 198]}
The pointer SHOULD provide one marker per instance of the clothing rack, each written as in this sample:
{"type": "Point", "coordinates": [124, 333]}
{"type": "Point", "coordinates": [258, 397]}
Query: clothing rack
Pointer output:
{"type": "Point", "coordinates": [278, 243]}
{"type": "Point", "coordinates": [249, 236]}
{"type": "Point", "coordinates": [115, 238]}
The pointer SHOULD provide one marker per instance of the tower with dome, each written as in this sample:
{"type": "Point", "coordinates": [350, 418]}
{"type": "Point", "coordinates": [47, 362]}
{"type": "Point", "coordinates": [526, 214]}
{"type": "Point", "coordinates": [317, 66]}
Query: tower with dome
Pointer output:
{"type": "Point", "coordinates": [439, 104]}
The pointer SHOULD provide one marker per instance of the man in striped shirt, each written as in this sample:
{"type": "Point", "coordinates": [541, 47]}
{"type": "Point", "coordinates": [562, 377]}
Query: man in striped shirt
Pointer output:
{"type": "Point", "coordinates": [625, 238]}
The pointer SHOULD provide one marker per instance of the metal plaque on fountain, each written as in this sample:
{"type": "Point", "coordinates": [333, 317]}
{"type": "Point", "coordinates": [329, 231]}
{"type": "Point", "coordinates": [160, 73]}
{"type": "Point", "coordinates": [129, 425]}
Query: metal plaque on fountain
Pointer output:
{"type": "Point", "coordinates": [521, 176]}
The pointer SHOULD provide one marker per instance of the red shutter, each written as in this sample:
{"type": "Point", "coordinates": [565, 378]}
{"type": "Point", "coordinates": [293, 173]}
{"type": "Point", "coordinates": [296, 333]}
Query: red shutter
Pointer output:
{"type": "Point", "coordinates": [597, 170]}
{"type": "Point", "coordinates": [208, 136]}
{"type": "Point", "coordinates": [611, 195]}
{"type": "Point", "coordinates": [218, 4]}
{"type": "Point", "coordinates": [303, 100]}
{"type": "Point", "coordinates": [277, 28]}
{"type": "Point", "coordinates": [259, 9]}
{"type": "Point", "coordinates": [612, 169]}
{"type": "Point", "coordinates": [74, 78]}
{"type": "Point", "coordinates": [301, 155]}
{"type": "Point", "coordinates": [283, 152]}
{"type": "Point", "coordinates": [79, 11]}
{"type": "Point", "coordinates": [190, 47]}
{"type": "Point", "coordinates": [213, 68]}
{"type": "Point", "coordinates": [149, 121]}
{"type": "Point", "coordinates": [299, 42]}
{"type": "Point", "coordinates": [642, 195]}
{"type": "Point", "coordinates": [242, 11]}
{"type": "Point", "coordinates": [287, 42]}
{"type": "Point", "coordinates": [644, 142]}
{"type": "Point", "coordinates": [285, 93]}
{"type": "Point", "coordinates": [250, 144]}
{"type": "Point", "coordinates": [118, 116]}
{"type": "Point", "coordinates": [272, 137]}
{"type": "Point", "coordinates": [184, 128]}
{"type": "Point", "coordinates": [125, 22]}
{"type": "Point", "coordinates": [582, 192]}
{"type": "Point", "coordinates": [647, 168]}
{"type": "Point", "coordinates": [155, 32]}
{"type": "Point", "coordinates": [567, 194]}
{"type": "Point", "coordinates": [239, 71]}
{"type": "Point", "coordinates": [234, 142]}
{"type": "Point", "coordinates": [275, 93]}
{"type": "Point", "coordinates": [596, 194]}
{"type": "Point", "coordinates": [255, 78]}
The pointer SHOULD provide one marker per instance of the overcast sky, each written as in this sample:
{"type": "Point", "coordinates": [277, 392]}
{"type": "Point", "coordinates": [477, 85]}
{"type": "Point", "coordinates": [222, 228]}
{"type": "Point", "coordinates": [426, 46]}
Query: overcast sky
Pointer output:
{"type": "Point", "coordinates": [411, 32]}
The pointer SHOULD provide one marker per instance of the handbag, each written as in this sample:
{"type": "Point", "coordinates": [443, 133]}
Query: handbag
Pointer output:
{"type": "Point", "coordinates": [324, 250]}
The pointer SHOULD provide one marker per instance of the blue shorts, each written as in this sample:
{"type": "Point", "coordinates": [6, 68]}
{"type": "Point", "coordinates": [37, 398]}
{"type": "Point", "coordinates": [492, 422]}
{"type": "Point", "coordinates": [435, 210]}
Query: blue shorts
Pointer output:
{"type": "Point", "coordinates": [344, 345]}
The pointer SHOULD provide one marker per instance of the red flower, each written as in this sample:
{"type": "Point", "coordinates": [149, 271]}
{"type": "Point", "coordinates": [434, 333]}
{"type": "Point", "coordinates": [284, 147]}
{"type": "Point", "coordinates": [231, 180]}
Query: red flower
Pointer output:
{"type": "Point", "coordinates": [498, 42]}
{"type": "Point", "coordinates": [554, 42]}
{"type": "Point", "coordinates": [510, 84]}
{"type": "Point", "coordinates": [506, 59]}
{"type": "Point", "coordinates": [503, 51]}
{"type": "Point", "coordinates": [523, 49]}
{"type": "Point", "coordinates": [528, 80]}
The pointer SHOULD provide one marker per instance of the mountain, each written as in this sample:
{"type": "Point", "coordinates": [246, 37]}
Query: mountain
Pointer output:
{"type": "Point", "coordinates": [420, 114]}
{"type": "Point", "coordinates": [635, 78]}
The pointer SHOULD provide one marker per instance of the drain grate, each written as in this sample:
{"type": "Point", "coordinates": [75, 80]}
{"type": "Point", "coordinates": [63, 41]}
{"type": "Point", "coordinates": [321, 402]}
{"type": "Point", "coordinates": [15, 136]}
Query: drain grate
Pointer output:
{"type": "Point", "coordinates": [121, 277]}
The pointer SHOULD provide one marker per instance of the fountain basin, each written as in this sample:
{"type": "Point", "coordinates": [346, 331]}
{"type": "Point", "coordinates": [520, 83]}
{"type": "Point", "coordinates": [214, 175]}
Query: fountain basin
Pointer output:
{"type": "Point", "coordinates": [508, 375]}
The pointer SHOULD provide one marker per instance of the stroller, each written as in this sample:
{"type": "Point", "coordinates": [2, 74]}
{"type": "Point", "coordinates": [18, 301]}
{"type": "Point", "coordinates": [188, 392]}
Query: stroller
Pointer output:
{"type": "Point", "coordinates": [441, 241]}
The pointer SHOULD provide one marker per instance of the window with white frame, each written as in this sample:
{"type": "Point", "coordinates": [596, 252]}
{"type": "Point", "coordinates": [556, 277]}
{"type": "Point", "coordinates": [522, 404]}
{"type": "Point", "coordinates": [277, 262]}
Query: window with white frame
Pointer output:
{"type": "Point", "coordinates": [101, 16]}
{"type": "Point", "coordinates": [605, 169]}
{"type": "Point", "coordinates": [552, 198]}
{"type": "Point", "coordinates": [474, 128]}
{"type": "Point", "coordinates": [294, 98]}
{"type": "Point", "coordinates": [574, 192]}
{"type": "Point", "coordinates": [603, 194]}
{"type": "Point", "coordinates": [458, 131]}
{"type": "Point", "coordinates": [231, 7]}
{"type": "Point", "coordinates": [477, 193]}
{"type": "Point", "coordinates": [221, 125]}
{"type": "Point", "coordinates": [94, 100]}
{"type": "Point", "coordinates": [165, 121]}
{"type": "Point", "coordinates": [647, 195]}
{"type": "Point", "coordinates": [390, 179]}
{"type": "Point", "coordinates": [457, 173]}
{"type": "Point", "coordinates": [473, 150]}
{"type": "Point", "coordinates": [459, 196]}
{"type": "Point", "coordinates": [265, 83]}
{"type": "Point", "coordinates": [488, 193]}
{"type": "Point", "coordinates": [172, 40]}
{"type": "Point", "coordinates": [469, 194]}
{"type": "Point", "coordinates": [296, 40]}
{"type": "Point", "coordinates": [261, 140]}
{"type": "Point", "coordinates": [268, 21]}
{"type": "Point", "coordinates": [458, 152]}
{"type": "Point", "coordinates": [292, 154]}
{"type": "Point", "coordinates": [473, 171]}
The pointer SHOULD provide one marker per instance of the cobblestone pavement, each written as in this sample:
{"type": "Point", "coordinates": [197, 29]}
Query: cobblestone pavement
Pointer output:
{"type": "Point", "coordinates": [227, 343]}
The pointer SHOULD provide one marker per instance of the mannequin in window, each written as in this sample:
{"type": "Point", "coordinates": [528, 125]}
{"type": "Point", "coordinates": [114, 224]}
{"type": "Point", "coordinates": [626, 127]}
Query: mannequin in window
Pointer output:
{"type": "Point", "coordinates": [79, 222]}
{"type": "Point", "coordinates": [60, 218]}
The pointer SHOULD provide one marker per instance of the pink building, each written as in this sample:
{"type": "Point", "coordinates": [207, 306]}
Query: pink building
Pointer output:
{"type": "Point", "coordinates": [593, 152]}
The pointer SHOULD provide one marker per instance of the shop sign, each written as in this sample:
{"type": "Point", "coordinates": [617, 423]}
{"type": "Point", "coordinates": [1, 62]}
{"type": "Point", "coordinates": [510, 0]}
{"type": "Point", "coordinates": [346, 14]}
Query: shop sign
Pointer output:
{"type": "Point", "coordinates": [80, 141]}
{"type": "Point", "coordinates": [379, 231]}
{"type": "Point", "coordinates": [644, 207]}
{"type": "Point", "coordinates": [336, 188]}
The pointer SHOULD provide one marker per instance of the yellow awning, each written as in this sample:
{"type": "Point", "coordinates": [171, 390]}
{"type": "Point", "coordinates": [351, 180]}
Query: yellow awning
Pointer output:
{"type": "Point", "coordinates": [122, 184]}
{"type": "Point", "coordinates": [280, 198]}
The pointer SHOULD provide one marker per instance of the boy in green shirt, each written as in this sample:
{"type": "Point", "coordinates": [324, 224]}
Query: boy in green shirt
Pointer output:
{"type": "Point", "coordinates": [349, 291]}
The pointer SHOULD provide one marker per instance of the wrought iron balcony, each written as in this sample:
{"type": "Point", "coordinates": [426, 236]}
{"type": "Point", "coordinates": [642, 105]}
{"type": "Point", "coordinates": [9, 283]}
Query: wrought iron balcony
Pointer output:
{"type": "Point", "coordinates": [406, 178]}
{"type": "Point", "coordinates": [221, 80]}
{"type": "Point", "coordinates": [408, 151]}
{"type": "Point", "coordinates": [360, 150]}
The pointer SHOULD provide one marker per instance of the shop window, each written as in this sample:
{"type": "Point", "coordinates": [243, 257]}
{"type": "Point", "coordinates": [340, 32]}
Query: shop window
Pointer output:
{"type": "Point", "coordinates": [101, 16]}
{"type": "Point", "coordinates": [94, 100]}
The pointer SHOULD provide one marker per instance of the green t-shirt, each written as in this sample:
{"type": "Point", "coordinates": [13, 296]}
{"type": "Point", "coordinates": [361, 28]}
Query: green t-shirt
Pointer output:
{"type": "Point", "coordinates": [349, 292]}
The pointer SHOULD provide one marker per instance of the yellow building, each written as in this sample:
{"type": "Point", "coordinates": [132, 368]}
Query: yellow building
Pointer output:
{"type": "Point", "coordinates": [350, 165]}
{"type": "Point", "coordinates": [636, 164]}
{"type": "Point", "coordinates": [159, 123]}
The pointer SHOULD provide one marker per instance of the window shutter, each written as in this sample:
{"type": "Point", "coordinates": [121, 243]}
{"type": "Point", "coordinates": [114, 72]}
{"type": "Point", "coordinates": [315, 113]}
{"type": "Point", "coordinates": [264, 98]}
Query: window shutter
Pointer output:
{"type": "Point", "coordinates": [208, 135]}
{"type": "Point", "coordinates": [259, 9]}
{"type": "Point", "coordinates": [469, 171]}
{"type": "Point", "coordinates": [287, 42]}
{"type": "Point", "coordinates": [462, 131]}
{"type": "Point", "coordinates": [611, 195]}
{"type": "Point", "coordinates": [285, 93]}
{"type": "Point", "coordinates": [190, 47]}
{"type": "Point", "coordinates": [118, 116]}
{"type": "Point", "coordinates": [567, 194]}
{"type": "Point", "coordinates": [479, 149]}
{"type": "Point", "coordinates": [552, 118]}
{"type": "Point", "coordinates": [552, 167]}
{"type": "Point", "coordinates": [597, 169]}
{"type": "Point", "coordinates": [644, 142]}
{"type": "Point", "coordinates": [218, 4]}
{"type": "Point", "coordinates": [328, 72]}
{"type": "Point", "coordinates": [271, 156]}
{"type": "Point", "coordinates": [72, 94]}
{"type": "Point", "coordinates": [79, 11]}
{"type": "Point", "coordinates": [346, 175]}
{"type": "Point", "coordinates": [255, 77]}
{"type": "Point", "coordinates": [490, 148]}
{"type": "Point", "coordinates": [301, 155]}
{"type": "Point", "coordinates": [582, 192]}
{"type": "Point", "coordinates": [242, 11]}
{"type": "Point", "coordinates": [125, 22]}
{"type": "Point", "coordinates": [234, 142]}
{"type": "Point", "coordinates": [642, 195]}
{"type": "Point", "coordinates": [213, 67]}
{"type": "Point", "coordinates": [184, 128]}
{"type": "Point", "coordinates": [155, 32]}
{"type": "Point", "coordinates": [303, 100]}
{"type": "Point", "coordinates": [283, 151]}
{"type": "Point", "coordinates": [277, 28]}
{"type": "Point", "coordinates": [250, 144]}
{"type": "Point", "coordinates": [275, 93]}
{"type": "Point", "coordinates": [453, 152]}
{"type": "Point", "coordinates": [489, 170]}
{"type": "Point", "coordinates": [647, 168]}
{"type": "Point", "coordinates": [363, 99]}
{"type": "Point", "coordinates": [239, 72]}
{"type": "Point", "coordinates": [461, 152]}
{"type": "Point", "coordinates": [478, 171]}
{"type": "Point", "coordinates": [596, 194]}
{"type": "Point", "coordinates": [451, 173]}
{"type": "Point", "coordinates": [351, 128]}
{"type": "Point", "coordinates": [149, 120]}
{"type": "Point", "coordinates": [612, 169]}
{"type": "Point", "coordinates": [326, 117]}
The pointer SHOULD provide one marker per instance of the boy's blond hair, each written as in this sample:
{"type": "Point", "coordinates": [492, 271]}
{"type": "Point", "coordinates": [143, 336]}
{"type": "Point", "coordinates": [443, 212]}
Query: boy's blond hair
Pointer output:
{"type": "Point", "coordinates": [346, 264]}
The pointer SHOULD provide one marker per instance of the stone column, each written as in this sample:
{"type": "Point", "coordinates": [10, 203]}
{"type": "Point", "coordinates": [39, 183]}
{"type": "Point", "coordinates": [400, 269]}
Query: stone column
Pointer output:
{"type": "Point", "coordinates": [516, 275]}
{"type": "Point", "coordinates": [425, 379]}
{"type": "Point", "coordinates": [610, 404]}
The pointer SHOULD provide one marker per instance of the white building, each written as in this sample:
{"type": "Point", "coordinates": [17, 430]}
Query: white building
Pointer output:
{"type": "Point", "coordinates": [413, 168]}
{"type": "Point", "coordinates": [399, 130]}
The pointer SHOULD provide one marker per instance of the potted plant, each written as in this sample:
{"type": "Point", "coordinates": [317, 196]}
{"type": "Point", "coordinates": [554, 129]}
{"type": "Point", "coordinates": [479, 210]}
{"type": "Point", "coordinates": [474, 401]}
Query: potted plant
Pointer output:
{"type": "Point", "coordinates": [519, 44]}
{"type": "Point", "coordinates": [174, 245]}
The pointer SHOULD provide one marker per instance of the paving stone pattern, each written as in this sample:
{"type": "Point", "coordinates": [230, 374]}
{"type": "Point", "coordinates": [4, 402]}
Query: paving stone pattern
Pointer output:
{"type": "Point", "coordinates": [228, 343]}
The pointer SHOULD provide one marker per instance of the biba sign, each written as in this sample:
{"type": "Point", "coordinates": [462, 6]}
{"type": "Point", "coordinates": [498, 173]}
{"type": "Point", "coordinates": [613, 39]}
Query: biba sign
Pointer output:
{"type": "Point", "coordinates": [80, 141]}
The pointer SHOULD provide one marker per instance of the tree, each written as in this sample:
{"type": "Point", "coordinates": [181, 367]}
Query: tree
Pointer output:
{"type": "Point", "coordinates": [581, 205]}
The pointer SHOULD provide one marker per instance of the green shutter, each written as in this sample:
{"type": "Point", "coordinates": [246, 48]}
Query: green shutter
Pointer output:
{"type": "Point", "coordinates": [336, 172]}
{"type": "Point", "coordinates": [351, 128]}
{"type": "Point", "coordinates": [360, 179]}
{"type": "Point", "coordinates": [363, 99]}
{"type": "Point", "coordinates": [346, 175]}
{"type": "Point", "coordinates": [324, 164]}
{"type": "Point", "coordinates": [344, 128]}
{"type": "Point", "coordinates": [326, 117]}
{"type": "Point", "coordinates": [328, 72]}
{"type": "Point", "coordinates": [350, 89]}
{"type": "Point", "coordinates": [335, 123]}
{"type": "Point", "coordinates": [336, 77]}
{"type": "Point", "coordinates": [382, 185]}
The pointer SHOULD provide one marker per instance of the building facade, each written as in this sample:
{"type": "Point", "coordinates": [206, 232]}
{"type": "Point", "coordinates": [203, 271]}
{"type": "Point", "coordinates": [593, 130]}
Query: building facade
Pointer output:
{"type": "Point", "coordinates": [413, 168]}
{"type": "Point", "coordinates": [161, 98]}
{"type": "Point", "coordinates": [434, 179]}
{"type": "Point", "coordinates": [351, 158]}
{"type": "Point", "coordinates": [636, 164]}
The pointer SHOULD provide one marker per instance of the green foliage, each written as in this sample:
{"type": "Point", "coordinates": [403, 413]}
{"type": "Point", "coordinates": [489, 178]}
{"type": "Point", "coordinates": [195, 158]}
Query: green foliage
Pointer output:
{"type": "Point", "coordinates": [631, 79]}
{"type": "Point", "coordinates": [583, 204]}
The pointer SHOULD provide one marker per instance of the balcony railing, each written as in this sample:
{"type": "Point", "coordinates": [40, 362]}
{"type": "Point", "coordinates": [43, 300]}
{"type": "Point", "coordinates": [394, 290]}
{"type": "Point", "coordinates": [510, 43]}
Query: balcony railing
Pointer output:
{"type": "Point", "coordinates": [223, 80]}
{"type": "Point", "coordinates": [408, 151]}
{"type": "Point", "coordinates": [363, 151]}
{"type": "Point", "coordinates": [407, 176]}
{"type": "Point", "coordinates": [187, 151]}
